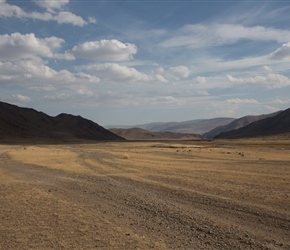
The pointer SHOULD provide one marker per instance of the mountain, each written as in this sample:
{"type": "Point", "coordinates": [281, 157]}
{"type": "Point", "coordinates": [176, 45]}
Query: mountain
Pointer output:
{"type": "Point", "coordinates": [192, 127]}
{"type": "Point", "coordinates": [142, 134]}
{"type": "Point", "coordinates": [25, 123]}
{"type": "Point", "coordinates": [236, 124]}
{"type": "Point", "coordinates": [274, 125]}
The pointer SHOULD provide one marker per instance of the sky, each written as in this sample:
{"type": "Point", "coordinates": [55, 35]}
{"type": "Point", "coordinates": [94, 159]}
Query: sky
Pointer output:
{"type": "Point", "coordinates": [133, 62]}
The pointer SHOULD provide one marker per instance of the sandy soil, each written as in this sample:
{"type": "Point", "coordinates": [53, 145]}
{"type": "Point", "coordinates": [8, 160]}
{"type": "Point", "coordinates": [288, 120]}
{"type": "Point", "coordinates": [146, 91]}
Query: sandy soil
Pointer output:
{"type": "Point", "coordinates": [146, 195]}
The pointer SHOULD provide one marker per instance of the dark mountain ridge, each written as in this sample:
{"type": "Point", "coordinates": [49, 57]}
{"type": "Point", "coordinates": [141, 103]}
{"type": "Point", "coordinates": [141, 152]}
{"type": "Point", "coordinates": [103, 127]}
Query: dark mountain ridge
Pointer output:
{"type": "Point", "coordinates": [236, 124]}
{"type": "Point", "coordinates": [277, 124]}
{"type": "Point", "coordinates": [26, 123]}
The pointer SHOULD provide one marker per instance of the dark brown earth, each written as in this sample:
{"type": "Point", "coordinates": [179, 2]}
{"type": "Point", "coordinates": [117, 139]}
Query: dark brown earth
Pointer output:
{"type": "Point", "coordinates": [149, 195]}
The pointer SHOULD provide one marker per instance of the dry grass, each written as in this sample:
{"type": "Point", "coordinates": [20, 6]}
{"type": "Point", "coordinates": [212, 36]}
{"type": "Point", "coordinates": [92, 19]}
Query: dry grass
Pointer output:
{"type": "Point", "coordinates": [61, 158]}
{"type": "Point", "coordinates": [252, 171]}
{"type": "Point", "coordinates": [222, 181]}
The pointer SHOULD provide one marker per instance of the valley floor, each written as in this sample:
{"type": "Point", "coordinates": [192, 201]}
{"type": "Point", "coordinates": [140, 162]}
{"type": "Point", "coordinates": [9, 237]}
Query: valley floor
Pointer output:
{"type": "Point", "coordinates": [146, 195]}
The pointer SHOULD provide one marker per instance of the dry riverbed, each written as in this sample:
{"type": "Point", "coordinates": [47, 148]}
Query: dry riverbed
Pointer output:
{"type": "Point", "coordinates": [146, 195]}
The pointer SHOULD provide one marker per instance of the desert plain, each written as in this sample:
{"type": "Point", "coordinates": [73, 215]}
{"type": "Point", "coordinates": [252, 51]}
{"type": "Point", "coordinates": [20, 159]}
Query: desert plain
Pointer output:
{"type": "Point", "coordinates": [223, 194]}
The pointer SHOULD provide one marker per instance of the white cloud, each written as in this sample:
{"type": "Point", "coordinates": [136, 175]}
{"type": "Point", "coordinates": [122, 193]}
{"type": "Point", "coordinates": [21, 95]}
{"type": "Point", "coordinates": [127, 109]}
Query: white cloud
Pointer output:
{"type": "Point", "coordinates": [70, 18]}
{"type": "Point", "coordinates": [83, 90]}
{"type": "Point", "coordinates": [172, 74]}
{"type": "Point", "coordinates": [213, 64]}
{"type": "Point", "coordinates": [199, 35]}
{"type": "Point", "coordinates": [201, 79]}
{"type": "Point", "coordinates": [182, 71]}
{"type": "Point", "coordinates": [165, 100]}
{"type": "Point", "coordinates": [17, 46]}
{"type": "Point", "coordinates": [210, 82]}
{"type": "Point", "coordinates": [34, 72]}
{"type": "Point", "coordinates": [242, 101]}
{"type": "Point", "coordinates": [52, 14]}
{"type": "Point", "coordinates": [282, 101]}
{"type": "Point", "coordinates": [51, 5]}
{"type": "Point", "coordinates": [283, 53]}
{"type": "Point", "coordinates": [59, 96]}
{"type": "Point", "coordinates": [113, 71]}
{"type": "Point", "coordinates": [218, 109]}
{"type": "Point", "coordinates": [267, 68]}
{"type": "Point", "coordinates": [271, 80]}
{"type": "Point", "coordinates": [21, 98]}
{"type": "Point", "coordinates": [105, 50]}
{"type": "Point", "coordinates": [271, 109]}
{"type": "Point", "coordinates": [92, 19]}
{"type": "Point", "coordinates": [8, 10]}
{"type": "Point", "coordinates": [160, 78]}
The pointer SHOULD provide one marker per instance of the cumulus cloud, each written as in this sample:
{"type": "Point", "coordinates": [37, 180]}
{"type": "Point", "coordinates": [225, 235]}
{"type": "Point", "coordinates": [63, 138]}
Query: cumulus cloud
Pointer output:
{"type": "Point", "coordinates": [21, 98]}
{"type": "Point", "coordinates": [17, 46]}
{"type": "Point", "coordinates": [270, 80]}
{"type": "Point", "coordinates": [161, 78]}
{"type": "Point", "coordinates": [201, 79]}
{"type": "Point", "coordinates": [51, 5]}
{"type": "Point", "coordinates": [105, 50]}
{"type": "Point", "coordinates": [8, 10]}
{"type": "Point", "coordinates": [52, 13]}
{"type": "Point", "coordinates": [115, 72]}
{"type": "Point", "coordinates": [182, 71]}
{"type": "Point", "coordinates": [70, 18]}
{"type": "Point", "coordinates": [34, 71]}
{"type": "Point", "coordinates": [242, 101]}
{"type": "Point", "coordinates": [283, 53]}
{"type": "Point", "coordinates": [199, 35]}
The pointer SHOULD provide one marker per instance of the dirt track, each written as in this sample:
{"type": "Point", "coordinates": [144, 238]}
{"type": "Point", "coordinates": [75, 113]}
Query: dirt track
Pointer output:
{"type": "Point", "coordinates": [151, 195]}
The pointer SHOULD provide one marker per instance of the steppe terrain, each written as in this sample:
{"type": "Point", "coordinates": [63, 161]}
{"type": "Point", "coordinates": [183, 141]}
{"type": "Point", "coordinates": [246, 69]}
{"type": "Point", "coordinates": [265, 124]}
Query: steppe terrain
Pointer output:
{"type": "Point", "coordinates": [224, 194]}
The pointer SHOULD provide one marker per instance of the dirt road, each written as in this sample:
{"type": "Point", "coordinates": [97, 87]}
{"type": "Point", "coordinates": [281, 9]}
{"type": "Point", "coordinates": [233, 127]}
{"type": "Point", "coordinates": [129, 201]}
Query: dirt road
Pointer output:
{"type": "Point", "coordinates": [151, 195]}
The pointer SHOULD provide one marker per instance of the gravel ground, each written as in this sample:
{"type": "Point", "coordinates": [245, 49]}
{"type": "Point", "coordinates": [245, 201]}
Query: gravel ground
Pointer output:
{"type": "Point", "coordinates": [148, 196]}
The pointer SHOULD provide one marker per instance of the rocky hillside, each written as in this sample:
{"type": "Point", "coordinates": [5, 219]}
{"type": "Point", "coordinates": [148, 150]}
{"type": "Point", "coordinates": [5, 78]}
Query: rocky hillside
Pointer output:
{"type": "Point", "coordinates": [274, 125]}
{"type": "Point", "coordinates": [236, 124]}
{"type": "Point", "coordinates": [25, 123]}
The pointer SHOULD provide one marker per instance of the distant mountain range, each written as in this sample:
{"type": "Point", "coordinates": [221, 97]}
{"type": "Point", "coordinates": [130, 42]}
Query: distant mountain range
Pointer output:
{"type": "Point", "coordinates": [247, 126]}
{"type": "Point", "coordinates": [236, 124]}
{"type": "Point", "coordinates": [142, 134]}
{"type": "Point", "coordinates": [273, 125]}
{"type": "Point", "coordinates": [27, 124]}
{"type": "Point", "coordinates": [199, 126]}
{"type": "Point", "coordinates": [24, 123]}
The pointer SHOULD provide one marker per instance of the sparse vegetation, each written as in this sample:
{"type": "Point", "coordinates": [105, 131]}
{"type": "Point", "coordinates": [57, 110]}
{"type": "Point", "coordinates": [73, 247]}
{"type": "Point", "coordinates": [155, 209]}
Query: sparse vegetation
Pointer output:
{"type": "Point", "coordinates": [203, 197]}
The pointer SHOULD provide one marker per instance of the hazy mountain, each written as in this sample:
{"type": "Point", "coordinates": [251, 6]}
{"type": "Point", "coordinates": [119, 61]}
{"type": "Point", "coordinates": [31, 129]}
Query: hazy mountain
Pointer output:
{"type": "Point", "coordinates": [236, 124]}
{"type": "Point", "coordinates": [191, 127]}
{"type": "Point", "coordinates": [25, 123]}
{"type": "Point", "coordinates": [142, 134]}
{"type": "Point", "coordinates": [274, 125]}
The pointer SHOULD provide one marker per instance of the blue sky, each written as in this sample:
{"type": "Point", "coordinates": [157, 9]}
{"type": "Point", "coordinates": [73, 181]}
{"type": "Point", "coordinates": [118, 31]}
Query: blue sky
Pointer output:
{"type": "Point", "coordinates": [132, 62]}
